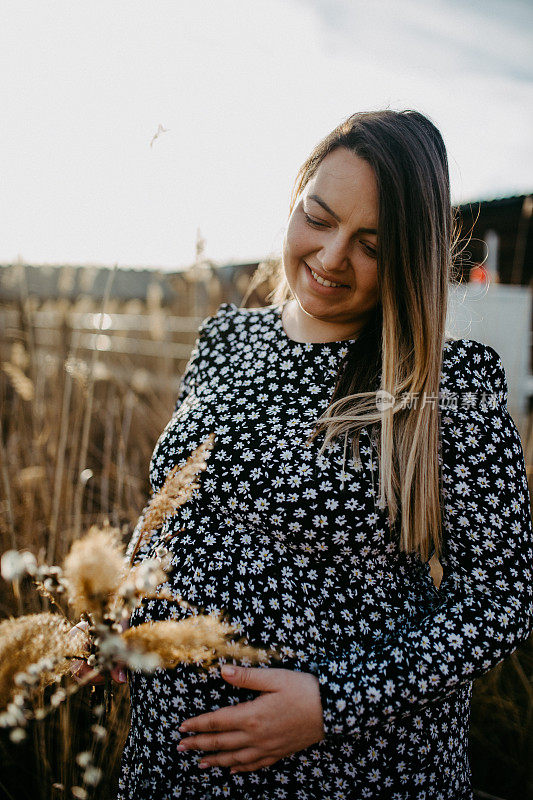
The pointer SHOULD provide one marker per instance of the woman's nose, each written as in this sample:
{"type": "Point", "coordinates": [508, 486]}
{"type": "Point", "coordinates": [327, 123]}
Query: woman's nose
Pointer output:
{"type": "Point", "coordinates": [334, 255]}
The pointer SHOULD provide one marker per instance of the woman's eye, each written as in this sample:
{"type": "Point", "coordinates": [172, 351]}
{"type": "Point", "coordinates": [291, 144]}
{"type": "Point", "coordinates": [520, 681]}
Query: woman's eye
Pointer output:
{"type": "Point", "coordinates": [370, 250]}
{"type": "Point", "coordinates": [314, 222]}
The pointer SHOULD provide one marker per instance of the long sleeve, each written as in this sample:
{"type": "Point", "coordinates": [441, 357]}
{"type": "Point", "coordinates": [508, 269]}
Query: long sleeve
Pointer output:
{"type": "Point", "coordinates": [484, 607]}
{"type": "Point", "coordinates": [194, 364]}
{"type": "Point", "coordinates": [189, 381]}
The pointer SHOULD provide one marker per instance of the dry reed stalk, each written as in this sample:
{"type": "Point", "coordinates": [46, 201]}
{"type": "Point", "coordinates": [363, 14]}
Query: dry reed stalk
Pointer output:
{"type": "Point", "coordinates": [142, 385]}
{"type": "Point", "coordinates": [196, 639]}
{"type": "Point", "coordinates": [23, 385]}
{"type": "Point", "coordinates": [107, 449]}
{"type": "Point", "coordinates": [82, 463]}
{"type": "Point", "coordinates": [31, 475]}
{"type": "Point", "coordinates": [177, 489]}
{"type": "Point", "coordinates": [262, 275]}
{"type": "Point", "coordinates": [19, 356]}
{"type": "Point", "coordinates": [39, 407]}
{"type": "Point", "coordinates": [122, 444]}
{"type": "Point", "coordinates": [72, 473]}
{"type": "Point", "coordinates": [82, 460]}
{"type": "Point", "coordinates": [38, 427]}
{"type": "Point", "coordinates": [27, 640]}
{"type": "Point", "coordinates": [60, 467]}
{"type": "Point", "coordinates": [26, 315]}
{"type": "Point", "coordinates": [28, 432]}
{"type": "Point", "coordinates": [7, 492]}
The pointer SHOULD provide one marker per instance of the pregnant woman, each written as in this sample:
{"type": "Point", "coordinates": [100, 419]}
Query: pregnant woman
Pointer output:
{"type": "Point", "coordinates": [355, 442]}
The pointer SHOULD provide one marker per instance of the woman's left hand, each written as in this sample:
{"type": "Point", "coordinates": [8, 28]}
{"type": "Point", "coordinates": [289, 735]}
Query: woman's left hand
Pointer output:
{"type": "Point", "coordinates": [285, 718]}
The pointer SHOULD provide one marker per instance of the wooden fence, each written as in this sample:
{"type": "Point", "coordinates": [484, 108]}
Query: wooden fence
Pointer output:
{"type": "Point", "coordinates": [123, 344]}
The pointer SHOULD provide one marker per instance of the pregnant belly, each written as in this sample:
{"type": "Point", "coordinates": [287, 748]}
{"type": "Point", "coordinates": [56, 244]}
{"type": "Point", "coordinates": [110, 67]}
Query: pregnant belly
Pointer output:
{"type": "Point", "coordinates": [274, 600]}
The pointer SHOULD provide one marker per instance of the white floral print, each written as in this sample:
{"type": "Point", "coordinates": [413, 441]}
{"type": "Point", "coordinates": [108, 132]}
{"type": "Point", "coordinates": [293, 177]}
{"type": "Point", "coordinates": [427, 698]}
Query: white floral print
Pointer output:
{"type": "Point", "coordinates": [294, 550]}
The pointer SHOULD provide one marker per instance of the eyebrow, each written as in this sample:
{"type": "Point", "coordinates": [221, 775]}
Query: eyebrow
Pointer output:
{"type": "Point", "coordinates": [325, 206]}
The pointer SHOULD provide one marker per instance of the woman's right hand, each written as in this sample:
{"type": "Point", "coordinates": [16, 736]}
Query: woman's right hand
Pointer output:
{"type": "Point", "coordinates": [79, 669]}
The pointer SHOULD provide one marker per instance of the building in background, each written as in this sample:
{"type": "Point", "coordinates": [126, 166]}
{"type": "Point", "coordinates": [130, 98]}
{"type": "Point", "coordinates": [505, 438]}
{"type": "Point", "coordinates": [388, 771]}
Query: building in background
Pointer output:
{"type": "Point", "coordinates": [154, 314]}
{"type": "Point", "coordinates": [495, 246]}
{"type": "Point", "coordinates": [496, 240]}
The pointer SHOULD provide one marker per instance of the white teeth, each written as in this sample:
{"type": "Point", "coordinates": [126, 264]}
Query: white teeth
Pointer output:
{"type": "Point", "coordinates": [322, 281]}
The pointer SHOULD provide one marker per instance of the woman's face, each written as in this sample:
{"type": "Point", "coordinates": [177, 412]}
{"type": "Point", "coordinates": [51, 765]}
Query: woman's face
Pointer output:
{"type": "Point", "coordinates": [332, 232]}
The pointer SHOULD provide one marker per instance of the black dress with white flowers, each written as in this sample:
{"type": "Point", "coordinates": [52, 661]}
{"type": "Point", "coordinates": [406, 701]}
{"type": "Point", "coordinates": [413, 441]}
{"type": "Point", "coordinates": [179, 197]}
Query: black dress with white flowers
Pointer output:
{"type": "Point", "coordinates": [302, 559]}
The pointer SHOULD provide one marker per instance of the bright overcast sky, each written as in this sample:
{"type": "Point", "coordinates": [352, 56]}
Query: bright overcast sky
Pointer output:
{"type": "Point", "coordinates": [245, 88]}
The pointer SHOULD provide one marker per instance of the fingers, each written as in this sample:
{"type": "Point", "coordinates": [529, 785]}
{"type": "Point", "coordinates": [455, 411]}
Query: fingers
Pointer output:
{"type": "Point", "coordinates": [231, 752]}
{"type": "Point", "coordinates": [225, 719]}
{"type": "Point", "coordinates": [79, 668]}
{"type": "Point", "coordinates": [249, 755]}
{"type": "Point", "coordinates": [118, 673]}
{"type": "Point", "coordinates": [76, 667]}
{"type": "Point", "coordinates": [217, 741]}
{"type": "Point", "coordinates": [80, 637]}
{"type": "Point", "coordinates": [256, 678]}
{"type": "Point", "coordinates": [81, 630]}
{"type": "Point", "coordinates": [86, 675]}
{"type": "Point", "coordinates": [125, 624]}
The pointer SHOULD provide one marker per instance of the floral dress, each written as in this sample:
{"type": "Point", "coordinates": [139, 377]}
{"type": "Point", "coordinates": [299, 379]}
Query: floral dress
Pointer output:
{"type": "Point", "coordinates": [294, 548]}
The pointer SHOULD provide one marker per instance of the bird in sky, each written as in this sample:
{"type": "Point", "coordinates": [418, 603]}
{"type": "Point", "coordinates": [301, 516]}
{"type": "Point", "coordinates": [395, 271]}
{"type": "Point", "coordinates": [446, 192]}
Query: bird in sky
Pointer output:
{"type": "Point", "coordinates": [159, 131]}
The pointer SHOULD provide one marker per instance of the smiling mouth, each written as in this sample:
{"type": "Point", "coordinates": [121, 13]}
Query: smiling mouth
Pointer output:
{"type": "Point", "coordinates": [323, 282]}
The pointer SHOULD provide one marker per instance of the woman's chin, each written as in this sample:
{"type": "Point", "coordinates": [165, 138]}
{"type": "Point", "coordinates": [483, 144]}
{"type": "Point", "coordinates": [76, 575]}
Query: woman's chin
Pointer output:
{"type": "Point", "coordinates": [319, 307]}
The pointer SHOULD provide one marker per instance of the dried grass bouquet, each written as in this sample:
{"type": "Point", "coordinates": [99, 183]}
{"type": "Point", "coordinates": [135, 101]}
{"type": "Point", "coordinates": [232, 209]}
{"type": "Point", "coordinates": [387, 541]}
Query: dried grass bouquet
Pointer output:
{"type": "Point", "coordinates": [103, 587]}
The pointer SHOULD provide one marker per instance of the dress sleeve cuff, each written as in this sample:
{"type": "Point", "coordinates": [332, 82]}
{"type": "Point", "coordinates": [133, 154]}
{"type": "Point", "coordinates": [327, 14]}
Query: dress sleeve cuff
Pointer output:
{"type": "Point", "coordinates": [341, 696]}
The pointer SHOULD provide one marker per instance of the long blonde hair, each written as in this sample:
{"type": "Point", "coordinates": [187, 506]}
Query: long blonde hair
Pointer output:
{"type": "Point", "coordinates": [399, 351]}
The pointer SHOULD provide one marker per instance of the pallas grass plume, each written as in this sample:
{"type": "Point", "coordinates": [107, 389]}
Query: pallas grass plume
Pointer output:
{"type": "Point", "coordinates": [34, 649]}
{"type": "Point", "coordinates": [103, 588]}
{"type": "Point", "coordinates": [198, 638]}
{"type": "Point", "coordinates": [93, 571]}
{"type": "Point", "coordinates": [177, 489]}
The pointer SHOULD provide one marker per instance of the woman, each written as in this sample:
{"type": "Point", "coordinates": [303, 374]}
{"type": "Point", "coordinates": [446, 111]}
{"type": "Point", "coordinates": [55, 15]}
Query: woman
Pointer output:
{"type": "Point", "coordinates": [315, 538]}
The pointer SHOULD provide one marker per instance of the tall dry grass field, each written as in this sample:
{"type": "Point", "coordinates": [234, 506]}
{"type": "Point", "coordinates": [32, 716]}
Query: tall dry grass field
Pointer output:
{"type": "Point", "coordinates": [76, 436]}
{"type": "Point", "coordinates": [75, 444]}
